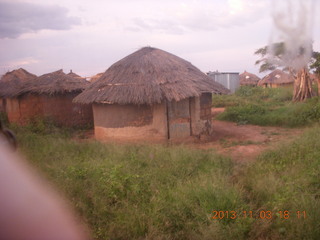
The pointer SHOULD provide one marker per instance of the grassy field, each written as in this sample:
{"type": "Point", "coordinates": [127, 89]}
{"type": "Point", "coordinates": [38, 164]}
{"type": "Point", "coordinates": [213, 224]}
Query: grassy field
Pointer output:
{"type": "Point", "coordinates": [267, 107]}
{"type": "Point", "coordinates": [170, 192]}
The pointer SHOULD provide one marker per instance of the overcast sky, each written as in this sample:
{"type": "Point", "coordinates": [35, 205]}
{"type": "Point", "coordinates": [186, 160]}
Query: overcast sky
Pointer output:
{"type": "Point", "coordinates": [88, 36]}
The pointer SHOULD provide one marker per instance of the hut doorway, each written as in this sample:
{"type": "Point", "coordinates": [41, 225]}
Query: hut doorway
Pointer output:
{"type": "Point", "coordinates": [178, 117]}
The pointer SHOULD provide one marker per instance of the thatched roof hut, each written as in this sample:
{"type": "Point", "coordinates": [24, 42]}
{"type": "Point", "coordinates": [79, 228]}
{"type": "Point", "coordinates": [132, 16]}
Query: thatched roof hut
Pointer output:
{"type": "Point", "coordinates": [55, 83]}
{"type": "Point", "coordinates": [249, 79]}
{"type": "Point", "coordinates": [149, 76]}
{"type": "Point", "coordinates": [95, 77]}
{"type": "Point", "coordinates": [74, 75]}
{"type": "Point", "coordinates": [276, 78]}
{"type": "Point", "coordinates": [50, 96]}
{"type": "Point", "coordinates": [12, 82]}
{"type": "Point", "coordinates": [151, 95]}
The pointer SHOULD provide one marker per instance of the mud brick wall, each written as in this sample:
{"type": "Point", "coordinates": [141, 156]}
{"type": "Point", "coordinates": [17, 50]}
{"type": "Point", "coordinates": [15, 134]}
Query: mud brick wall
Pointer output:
{"type": "Point", "coordinates": [205, 106]}
{"type": "Point", "coordinates": [23, 109]}
{"type": "Point", "coordinates": [2, 105]}
{"type": "Point", "coordinates": [118, 116]}
{"type": "Point", "coordinates": [58, 108]}
{"type": "Point", "coordinates": [63, 111]}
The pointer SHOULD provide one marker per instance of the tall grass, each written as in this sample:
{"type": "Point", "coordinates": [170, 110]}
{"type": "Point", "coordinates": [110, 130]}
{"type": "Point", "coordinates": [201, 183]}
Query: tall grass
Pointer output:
{"type": "Point", "coordinates": [287, 179]}
{"type": "Point", "coordinates": [160, 192]}
{"type": "Point", "coordinates": [258, 95]}
{"type": "Point", "coordinates": [267, 106]}
{"type": "Point", "coordinates": [135, 191]}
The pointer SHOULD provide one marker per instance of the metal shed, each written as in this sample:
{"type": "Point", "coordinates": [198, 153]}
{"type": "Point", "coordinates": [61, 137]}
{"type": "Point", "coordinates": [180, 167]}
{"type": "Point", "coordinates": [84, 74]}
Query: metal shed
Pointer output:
{"type": "Point", "coordinates": [230, 80]}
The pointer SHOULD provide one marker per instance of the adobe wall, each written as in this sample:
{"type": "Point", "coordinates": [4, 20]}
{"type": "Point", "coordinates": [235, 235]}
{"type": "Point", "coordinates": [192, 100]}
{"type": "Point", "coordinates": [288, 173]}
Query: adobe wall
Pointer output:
{"type": "Point", "coordinates": [179, 119]}
{"type": "Point", "coordinates": [63, 111]}
{"type": "Point", "coordinates": [2, 107]}
{"type": "Point", "coordinates": [130, 122]}
{"type": "Point", "coordinates": [58, 108]}
{"type": "Point", "coordinates": [22, 109]}
{"type": "Point", "coordinates": [200, 111]}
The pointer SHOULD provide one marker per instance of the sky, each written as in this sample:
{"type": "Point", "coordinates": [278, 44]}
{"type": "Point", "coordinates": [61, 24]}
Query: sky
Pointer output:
{"type": "Point", "coordinates": [88, 36]}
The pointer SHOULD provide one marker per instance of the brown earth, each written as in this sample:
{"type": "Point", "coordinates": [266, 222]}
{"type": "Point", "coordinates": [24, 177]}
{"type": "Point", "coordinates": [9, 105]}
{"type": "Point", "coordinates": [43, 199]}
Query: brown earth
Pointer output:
{"type": "Point", "coordinates": [243, 143]}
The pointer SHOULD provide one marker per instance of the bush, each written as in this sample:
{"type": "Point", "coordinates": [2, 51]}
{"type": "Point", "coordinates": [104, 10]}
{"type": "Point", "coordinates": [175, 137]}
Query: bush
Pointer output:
{"type": "Point", "coordinates": [272, 107]}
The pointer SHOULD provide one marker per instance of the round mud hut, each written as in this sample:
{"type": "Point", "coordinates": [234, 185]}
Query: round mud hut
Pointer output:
{"type": "Point", "coordinates": [11, 85]}
{"type": "Point", "coordinates": [277, 78]}
{"type": "Point", "coordinates": [249, 79]}
{"type": "Point", "coordinates": [49, 97]}
{"type": "Point", "coordinates": [151, 95]}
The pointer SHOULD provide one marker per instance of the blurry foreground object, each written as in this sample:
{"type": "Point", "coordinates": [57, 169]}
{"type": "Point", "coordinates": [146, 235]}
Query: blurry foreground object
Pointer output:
{"type": "Point", "coordinates": [29, 208]}
{"type": "Point", "coordinates": [7, 137]}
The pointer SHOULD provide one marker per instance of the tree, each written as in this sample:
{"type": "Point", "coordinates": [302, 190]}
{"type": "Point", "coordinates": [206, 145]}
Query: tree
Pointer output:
{"type": "Point", "coordinates": [315, 67]}
{"type": "Point", "coordinates": [302, 83]}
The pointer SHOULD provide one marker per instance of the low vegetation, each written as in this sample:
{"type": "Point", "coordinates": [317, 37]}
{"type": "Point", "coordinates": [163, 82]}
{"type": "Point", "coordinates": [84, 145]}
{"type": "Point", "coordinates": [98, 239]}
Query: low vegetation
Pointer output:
{"type": "Point", "coordinates": [170, 192]}
{"type": "Point", "coordinates": [267, 107]}
{"type": "Point", "coordinates": [139, 191]}
{"type": "Point", "coordinates": [287, 179]}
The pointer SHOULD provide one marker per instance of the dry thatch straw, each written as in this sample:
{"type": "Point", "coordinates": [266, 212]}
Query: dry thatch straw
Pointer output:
{"type": "Point", "coordinates": [248, 79]}
{"type": "Point", "coordinates": [74, 75]}
{"type": "Point", "coordinates": [95, 77]}
{"type": "Point", "coordinates": [11, 84]}
{"type": "Point", "coordinates": [55, 83]}
{"type": "Point", "coordinates": [276, 77]}
{"type": "Point", "coordinates": [149, 76]}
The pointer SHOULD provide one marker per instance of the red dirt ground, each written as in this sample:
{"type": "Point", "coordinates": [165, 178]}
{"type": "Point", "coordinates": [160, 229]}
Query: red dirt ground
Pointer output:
{"type": "Point", "coordinates": [244, 143]}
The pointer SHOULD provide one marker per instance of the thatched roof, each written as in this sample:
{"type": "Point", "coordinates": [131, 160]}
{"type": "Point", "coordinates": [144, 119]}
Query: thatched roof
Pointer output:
{"type": "Point", "coordinates": [72, 74]}
{"type": "Point", "coordinates": [95, 77]}
{"type": "Point", "coordinates": [247, 78]}
{"type": "Point", "coordinates": [149, 76]}
{"type": "Point", "coordinates": [276, 77]}
{"type": "Point", "coordinates": [11, 83]}
{"type": "Point", "coordinates": [55, 83]}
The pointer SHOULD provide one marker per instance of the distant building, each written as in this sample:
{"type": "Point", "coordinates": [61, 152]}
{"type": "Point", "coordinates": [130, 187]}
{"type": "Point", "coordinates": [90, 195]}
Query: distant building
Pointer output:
{"type": "Point", "coordinates": [230, 80]}
{"type": "Point", "coordinates": [277, 78]}
{"type": "Point", "coordinates": [249, 79]}
{"type": "Point", "coordinates": [28, 97]}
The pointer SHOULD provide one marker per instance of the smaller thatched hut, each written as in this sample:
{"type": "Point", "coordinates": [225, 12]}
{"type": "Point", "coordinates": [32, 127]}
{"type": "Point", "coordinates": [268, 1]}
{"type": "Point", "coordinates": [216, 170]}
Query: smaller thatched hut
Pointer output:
{"type": "Point", "coordinates": [95, 77]}
{"type": "Point", "coordinates": [249, 79]}
{"type": "Point", "coordinates": [49, 96]}
{"type": "Point", "coordinates": [74, 75]}
{"type": "Point", "coordinates": [151, 95]}
{"type": "Point", "coordinates": [11, 86]}
{"type": "Point", "coordinates": [277, 78]}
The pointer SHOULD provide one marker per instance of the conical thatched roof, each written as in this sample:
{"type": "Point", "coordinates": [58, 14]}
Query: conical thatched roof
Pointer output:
{"type": "Point", "coordinates": [247, 78]}
{"type": "Point", "coordinates": [95, 77]}
{"type": "Point", "coordinates": [11, 83]}
{"type": "Point", "coordinates": [72, 74]}
{"type": "Point", "coordinates": [149, 76]}
{"type": "Point", "coordinates": [54, 83]}
{"type": "Point", "coordinates": [276, 77]}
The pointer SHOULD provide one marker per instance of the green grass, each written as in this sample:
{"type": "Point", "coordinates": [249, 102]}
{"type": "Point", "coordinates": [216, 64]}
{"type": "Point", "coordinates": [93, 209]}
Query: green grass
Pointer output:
{"type": "Point", "coordinates": [160, 192]}
{"type": "Point", "coordinates": [138, 191]}
{"type": "Point", "coordinates": [258, 95]}
{"type": "Point", "coordinates": [287, 179]}
{"type": "Point", "coordinates": [268, 107]}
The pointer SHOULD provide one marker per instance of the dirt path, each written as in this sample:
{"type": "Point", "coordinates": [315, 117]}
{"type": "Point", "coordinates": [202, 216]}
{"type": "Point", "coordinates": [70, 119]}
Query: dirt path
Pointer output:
{"type": "Point", "coordinates": [244, 142]}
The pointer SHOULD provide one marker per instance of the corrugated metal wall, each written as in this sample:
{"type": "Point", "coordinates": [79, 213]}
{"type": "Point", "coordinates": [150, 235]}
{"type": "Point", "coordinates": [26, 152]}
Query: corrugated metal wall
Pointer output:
{"type": "Point", "coordinates": [230, 80]}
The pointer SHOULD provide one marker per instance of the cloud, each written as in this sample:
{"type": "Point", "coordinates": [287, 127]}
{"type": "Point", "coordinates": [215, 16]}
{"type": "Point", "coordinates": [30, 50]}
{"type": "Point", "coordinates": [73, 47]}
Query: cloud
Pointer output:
{"type": "Point", "coordinates": [20, 62]}
{"type": "Point", "coordinates": [17, 18]}
{"type": "Point", "coordinates": [201, 15]}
